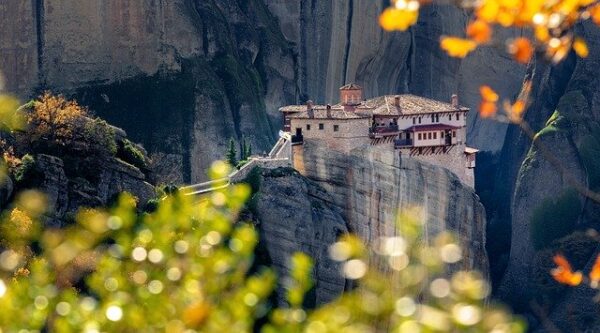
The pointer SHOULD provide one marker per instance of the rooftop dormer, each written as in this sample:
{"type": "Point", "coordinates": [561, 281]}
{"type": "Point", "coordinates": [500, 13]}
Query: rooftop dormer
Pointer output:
{"type": "Point", "coordinates": [351, 95]}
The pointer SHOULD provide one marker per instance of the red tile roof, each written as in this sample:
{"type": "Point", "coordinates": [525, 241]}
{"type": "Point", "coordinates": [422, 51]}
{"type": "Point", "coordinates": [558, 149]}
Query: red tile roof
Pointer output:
{"type": "Point", "coordinates": [432, 127]}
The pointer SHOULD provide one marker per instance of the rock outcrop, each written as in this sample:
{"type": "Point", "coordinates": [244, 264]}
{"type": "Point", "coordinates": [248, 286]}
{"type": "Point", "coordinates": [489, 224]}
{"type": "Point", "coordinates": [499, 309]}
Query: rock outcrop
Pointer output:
{"type": "Point", "coordinates": [371, 186]}
{"type": "Point", "coordinates": [66, 195]}
{"type": "Point", "coordinates": [359, 193]}
{"type": "Point", "coordinates": [296, 215]}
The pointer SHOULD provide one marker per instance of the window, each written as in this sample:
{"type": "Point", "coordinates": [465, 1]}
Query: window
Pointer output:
{"type": "Point", "coordinates": [453, 134]}
{"type": "Point", "coordinates": [457, 116]}
{"type": "Point", "coordinates": [414, 121]}
{"type": "Point", "coordinates": [437, 118]}
{"type": "Point", "coordinates": [433, 118]}
{"type": "Point", "coordinates": [434, 135]}
{"type": "Point", "coordinates": [321, 126]}
{"type": "Point", "coordinates": [420, 137]}
{"type": "Point", "coordinates": [336, 128]}
{"type": "Point", "coordinates": [308, 127]}
{"type": "Point", "coordinates": [429, 135]}
{"type": "Point", "coordinates": [449, 117]}
{"type": "Point", "coordinates": [442, 135]}
{"type": "Point", "coordinates": [419, 120]}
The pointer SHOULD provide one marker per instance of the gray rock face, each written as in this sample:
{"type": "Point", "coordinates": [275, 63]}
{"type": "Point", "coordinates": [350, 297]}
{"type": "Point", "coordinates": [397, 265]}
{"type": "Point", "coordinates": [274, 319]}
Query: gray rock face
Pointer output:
{"type": "Point", "coordinates": [67, 195]}
{"type": "Point", "coordinates": [371, 186]}
{"type": "Point", "coordinates": [360, 193]}
{"type": "Point", "coordinates": [295, 215]}
{"type": "Point", "coordinates": [54, 184]}
{"type": "Point", "coordinates": [182, 76]}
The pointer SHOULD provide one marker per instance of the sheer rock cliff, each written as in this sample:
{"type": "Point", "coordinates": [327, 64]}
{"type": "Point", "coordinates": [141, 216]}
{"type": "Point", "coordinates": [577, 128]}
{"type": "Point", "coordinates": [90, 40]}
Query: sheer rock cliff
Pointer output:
{"type": "Point", "coordinates": [360, 193]}
{"type": "Point", "coordinates": [372, 186]}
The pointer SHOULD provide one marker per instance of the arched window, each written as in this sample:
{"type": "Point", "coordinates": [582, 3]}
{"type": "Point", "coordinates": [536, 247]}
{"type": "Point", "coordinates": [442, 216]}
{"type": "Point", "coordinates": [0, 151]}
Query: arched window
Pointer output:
{"type": "Point", "coordinates": [457, 116]}
{"type": "Point", "coordinates": [414, 120]}
{"type": "Point", "coordinates": [437, 118]}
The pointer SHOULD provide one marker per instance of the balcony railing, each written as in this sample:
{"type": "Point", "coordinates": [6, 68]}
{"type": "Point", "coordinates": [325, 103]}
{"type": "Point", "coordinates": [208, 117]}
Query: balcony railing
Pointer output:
{"type": "Point", "coordinates": [403, 143]}
{"type": "Point", "coordinates": [378, 132]}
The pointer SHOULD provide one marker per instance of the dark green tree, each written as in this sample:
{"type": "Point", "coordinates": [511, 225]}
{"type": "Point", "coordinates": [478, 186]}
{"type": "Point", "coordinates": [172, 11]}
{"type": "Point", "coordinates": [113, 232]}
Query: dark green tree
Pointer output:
{"type": "Point", "coordinates": [231, 153]}
{"type": "Point", "coordinates": [243, 149]}
{"type": "Point", "coordinates": [248, 150]}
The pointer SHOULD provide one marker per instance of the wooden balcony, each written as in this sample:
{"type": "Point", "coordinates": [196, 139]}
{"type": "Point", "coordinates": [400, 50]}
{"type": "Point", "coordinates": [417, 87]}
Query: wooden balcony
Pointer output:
{"type": "Point", "coordinates": [380, 132]}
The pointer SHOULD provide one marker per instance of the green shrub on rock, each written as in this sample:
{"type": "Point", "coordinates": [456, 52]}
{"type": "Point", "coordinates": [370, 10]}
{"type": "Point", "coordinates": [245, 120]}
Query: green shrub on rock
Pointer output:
{"type": "Point", "coordinates": [131, 154]}
{"type": "Point", "coordinates": [25, 169]}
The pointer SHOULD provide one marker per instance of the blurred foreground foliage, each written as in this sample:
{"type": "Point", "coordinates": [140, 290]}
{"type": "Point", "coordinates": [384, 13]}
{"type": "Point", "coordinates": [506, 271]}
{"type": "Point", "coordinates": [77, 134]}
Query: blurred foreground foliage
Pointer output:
{"type": "Point", "coordinates": [188, 266]}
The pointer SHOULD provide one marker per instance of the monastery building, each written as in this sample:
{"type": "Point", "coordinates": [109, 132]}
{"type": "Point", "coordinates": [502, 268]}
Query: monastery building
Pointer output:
{"type": "Point", "coordinates": [422, 128]}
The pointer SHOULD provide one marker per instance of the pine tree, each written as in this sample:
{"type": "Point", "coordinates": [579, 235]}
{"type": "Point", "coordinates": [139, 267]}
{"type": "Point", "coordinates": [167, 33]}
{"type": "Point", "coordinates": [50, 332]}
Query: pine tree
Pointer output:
{"type": "Point", "coordinates": [248, 150]}
{"type": "Point", "coordinates": [231, 153]}
{"type": "Point", "coordinates": [243, 150]}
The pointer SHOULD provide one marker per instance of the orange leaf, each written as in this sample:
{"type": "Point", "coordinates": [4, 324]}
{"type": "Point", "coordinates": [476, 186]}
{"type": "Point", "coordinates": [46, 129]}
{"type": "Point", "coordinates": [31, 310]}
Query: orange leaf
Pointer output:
{"type": "Point", "coordinates": [488, 94]}
{"type": "Point", "coordinates": [595, 13]}
{"type": "Point", "coordinates": [521, 49]}
{"type": "Point", "coordinates": [595, 272]}
{"type": "Point", "coordinates": [563, 273]}
{"type": "Point", "coordinates": [479, 31]}
{"type": "Point", "coordinates": [487, 109]}
{"type": "Point", "coordinates": [581, 48]}
{"type": "Point", "coordinates": [457, 47]}
{"type": "Point", "coordinates": [561, 262]}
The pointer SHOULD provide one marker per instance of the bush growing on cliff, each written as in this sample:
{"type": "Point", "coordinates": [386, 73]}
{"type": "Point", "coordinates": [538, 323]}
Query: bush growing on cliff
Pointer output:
{"type": "Point", "coordinates": [130, 153]}
{"type": "Point", "coordinates": [187, 267]}
{"type": "Point", "coordinates": [555, 218]}
{"type": "Point", "coordinates": [58, 126]}
{"type": "Point", "coordinates": [24, 169]}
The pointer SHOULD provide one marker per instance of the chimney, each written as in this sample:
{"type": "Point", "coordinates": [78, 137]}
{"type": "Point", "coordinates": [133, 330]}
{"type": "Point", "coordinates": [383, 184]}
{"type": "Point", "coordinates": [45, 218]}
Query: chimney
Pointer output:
{"type": "Point", "coordinates": [309, 105]}
{"type": "Point", "coordinates": [309, 109]}
{"type": "Point", "coordinates": [328, 111]}
{"type": "Point", "coordinates": [397, 101]}
{"type": "Point", "coordinates": [455, 101]}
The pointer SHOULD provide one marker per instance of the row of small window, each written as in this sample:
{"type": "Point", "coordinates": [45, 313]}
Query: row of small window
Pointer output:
{"type": "Point", "coordinates": [322, 127]}
{"type": "Point", "coordinates": [432, 135]}
{"type": "Point", "coordinates": [435, 118]}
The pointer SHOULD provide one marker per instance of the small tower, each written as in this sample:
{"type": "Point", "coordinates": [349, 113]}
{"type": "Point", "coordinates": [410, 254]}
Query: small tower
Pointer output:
{"type": "Point", "coordinates": [351, 95]}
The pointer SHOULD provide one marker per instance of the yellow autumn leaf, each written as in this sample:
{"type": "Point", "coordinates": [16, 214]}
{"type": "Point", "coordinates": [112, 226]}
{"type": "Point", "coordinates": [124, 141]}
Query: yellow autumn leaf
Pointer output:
{"type": "Point", "coordinates": [393, 19]}
{"type": "Point", "coordinates": [457, 47]}
{"type": "Point", "coordinates": [581, 48]}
